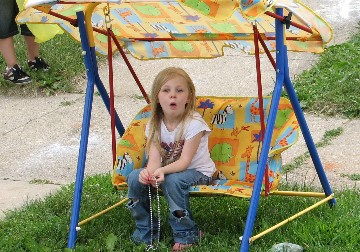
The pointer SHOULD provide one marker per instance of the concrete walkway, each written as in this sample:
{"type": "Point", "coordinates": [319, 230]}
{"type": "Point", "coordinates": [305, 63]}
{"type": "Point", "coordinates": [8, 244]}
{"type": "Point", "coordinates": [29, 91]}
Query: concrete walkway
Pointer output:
{"type": "Point", "coordinates": [40, 136]}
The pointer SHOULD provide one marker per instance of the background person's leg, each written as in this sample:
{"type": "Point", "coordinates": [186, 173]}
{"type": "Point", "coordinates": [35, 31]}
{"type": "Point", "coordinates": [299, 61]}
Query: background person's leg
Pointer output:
{"type": "Point", "coordinates": [35, 62]}
{"type": "Point", "coordinates": [32, 47]}
{"type": "Point", "coordinates": [8, 51]}
{"type": "Point", "coordinates": [8, 29]}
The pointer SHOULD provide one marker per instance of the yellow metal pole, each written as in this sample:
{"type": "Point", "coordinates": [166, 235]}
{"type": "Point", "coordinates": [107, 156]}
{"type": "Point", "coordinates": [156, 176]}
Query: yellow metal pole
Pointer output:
{"type": "Point", "coordinates": [302, 194]}
{"type": "Point", "coordinates": [255, 237]}
{"type": "Point", "coordinates": [88, 14]}
{"type": "Point", "coordinates": [102, 212]}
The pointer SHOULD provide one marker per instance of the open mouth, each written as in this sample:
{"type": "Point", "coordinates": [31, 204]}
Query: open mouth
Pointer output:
{"type": "Point", "coordinates": [173, 105]}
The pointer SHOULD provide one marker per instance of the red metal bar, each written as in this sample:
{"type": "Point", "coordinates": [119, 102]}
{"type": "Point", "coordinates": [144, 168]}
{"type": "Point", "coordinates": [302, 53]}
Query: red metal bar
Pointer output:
{"type": "Point", "coordinates": [74, 22]}
{"type": "Point", "coordinates": [104, 32]}
{"type": "Point", "coordinates": [112, 107]}
{"type": "Point", "coordinates": [136, 39]}
{"type": "Point", "coordinates": [304, 28]}
{"type": "Point", "coordinates": [179, 39]}
{"type": "Point", "coordinates": [294, 38]}
{"type": "Point", "coordinates": [271, 58]}
{"type": "Point", "coordinates": [261, 102]}
{"type": "Point", "coordinates": [70, 20]}
{"type": "Point", "coordinates": [130, 67]}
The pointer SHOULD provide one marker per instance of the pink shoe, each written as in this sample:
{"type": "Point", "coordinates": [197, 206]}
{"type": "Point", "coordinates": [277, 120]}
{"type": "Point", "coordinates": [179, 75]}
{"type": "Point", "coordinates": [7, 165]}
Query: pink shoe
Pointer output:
{"type": "Point", "coordinates": [181, 247]}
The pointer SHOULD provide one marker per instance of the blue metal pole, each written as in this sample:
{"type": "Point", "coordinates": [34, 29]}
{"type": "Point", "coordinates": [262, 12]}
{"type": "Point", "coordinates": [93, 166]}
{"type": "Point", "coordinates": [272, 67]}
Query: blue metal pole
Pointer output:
{"type": "Point", "coordinates": [254, 201]}
{"type": "Point", "coordinates": [104, 95]}
{"type": "Point", "coordinates": [84, 132]}
{"type": "Point", "coordinates": [307, 135]}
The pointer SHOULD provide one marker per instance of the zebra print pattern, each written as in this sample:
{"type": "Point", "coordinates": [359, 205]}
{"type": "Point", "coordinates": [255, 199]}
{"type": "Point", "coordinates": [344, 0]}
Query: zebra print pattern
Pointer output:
{"type": "Point", "coordinates": [221, 118]}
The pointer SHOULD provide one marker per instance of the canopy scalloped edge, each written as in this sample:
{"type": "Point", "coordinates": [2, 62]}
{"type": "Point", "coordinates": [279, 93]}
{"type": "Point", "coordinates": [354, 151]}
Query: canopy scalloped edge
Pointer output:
{"type": "Point", "coordinates": [170, 29]}
{"type": "Point", "coordinates": [33, 3]}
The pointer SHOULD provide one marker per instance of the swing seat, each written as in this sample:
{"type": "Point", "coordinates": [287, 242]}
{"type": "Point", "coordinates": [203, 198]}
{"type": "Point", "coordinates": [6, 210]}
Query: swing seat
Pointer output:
{"type": "Point", "coordinates": [234, 144]}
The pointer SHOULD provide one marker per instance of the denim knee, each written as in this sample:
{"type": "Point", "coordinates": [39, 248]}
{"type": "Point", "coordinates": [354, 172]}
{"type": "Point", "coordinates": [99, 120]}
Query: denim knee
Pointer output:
{"type": "Point", "coordinates": [133, 177]}
{"type": "Point", "coordinates": [173, 181]}
{"type": "Point", "coordinates": [134, 186]}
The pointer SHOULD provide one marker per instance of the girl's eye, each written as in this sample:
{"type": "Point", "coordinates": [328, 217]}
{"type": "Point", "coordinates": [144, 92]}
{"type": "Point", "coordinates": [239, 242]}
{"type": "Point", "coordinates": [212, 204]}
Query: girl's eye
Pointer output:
{"type": "Point", "coordinates": [179, 90]}
{"type": "Point", "coordinates": [165, 90]}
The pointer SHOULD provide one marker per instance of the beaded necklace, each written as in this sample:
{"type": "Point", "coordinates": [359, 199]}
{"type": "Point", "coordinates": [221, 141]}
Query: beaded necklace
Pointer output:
{"type": "Point", "coordinates": [151, 246]}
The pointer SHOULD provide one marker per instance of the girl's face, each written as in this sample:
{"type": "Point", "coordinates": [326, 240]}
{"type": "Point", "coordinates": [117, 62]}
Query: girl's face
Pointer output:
{"type": "Point", "coordinates": [173, 97]}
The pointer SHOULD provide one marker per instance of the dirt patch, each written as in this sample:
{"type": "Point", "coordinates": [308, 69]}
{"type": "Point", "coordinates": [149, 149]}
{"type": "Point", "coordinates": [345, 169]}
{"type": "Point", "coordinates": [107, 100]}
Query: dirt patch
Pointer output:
{"type": "Point", "coordinates": [340, 160]}
{"type": "Point", "coordinates": [307, 176]}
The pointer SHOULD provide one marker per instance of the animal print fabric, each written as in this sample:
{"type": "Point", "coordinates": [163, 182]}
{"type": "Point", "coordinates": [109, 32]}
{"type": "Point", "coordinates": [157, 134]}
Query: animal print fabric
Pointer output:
{"type": "Point", "coordinates": [185, 28]}
{"type": "Point", "coordinates": [234, 143]}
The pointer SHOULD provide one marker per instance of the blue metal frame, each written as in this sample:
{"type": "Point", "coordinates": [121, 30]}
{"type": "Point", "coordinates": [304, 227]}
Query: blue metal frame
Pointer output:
{"type": "Point", "coordinates": [307, 135]}
{"type": "Point", "coordinates": [93, 78]}
{"type": "Point", "coordinates": [90, 72]}
{"type": "Point", "coordinates": [282, 78]}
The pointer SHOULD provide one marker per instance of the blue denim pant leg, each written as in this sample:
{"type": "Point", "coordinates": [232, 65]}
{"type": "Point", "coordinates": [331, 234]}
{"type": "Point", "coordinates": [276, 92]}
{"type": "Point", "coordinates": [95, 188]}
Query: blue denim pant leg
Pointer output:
{"type": "Point", "coordinates": [176, 190]}
{"type": "Point", "coordinates": [139, 207]}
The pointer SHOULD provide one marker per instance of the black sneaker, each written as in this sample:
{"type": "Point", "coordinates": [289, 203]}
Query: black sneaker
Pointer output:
{"type": "Point", "coordinates": [16, 75]}
{"type": "Point", "coordinates": [38, 63]}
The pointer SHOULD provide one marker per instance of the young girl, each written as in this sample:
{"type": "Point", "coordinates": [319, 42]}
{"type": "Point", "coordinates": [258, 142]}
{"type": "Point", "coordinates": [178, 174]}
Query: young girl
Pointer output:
{"type": "Point", "coordinates": [178, 157]}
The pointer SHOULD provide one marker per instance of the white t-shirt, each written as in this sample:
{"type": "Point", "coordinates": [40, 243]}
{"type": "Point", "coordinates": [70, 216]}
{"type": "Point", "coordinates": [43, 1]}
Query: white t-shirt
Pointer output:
{"type": "Point", "coordinates": [201, 160]}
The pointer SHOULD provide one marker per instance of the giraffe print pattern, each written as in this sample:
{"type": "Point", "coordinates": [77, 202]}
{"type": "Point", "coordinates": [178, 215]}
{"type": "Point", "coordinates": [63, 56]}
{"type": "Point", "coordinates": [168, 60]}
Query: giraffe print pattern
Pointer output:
{"type": "Point", "coordinates": [234, 144]}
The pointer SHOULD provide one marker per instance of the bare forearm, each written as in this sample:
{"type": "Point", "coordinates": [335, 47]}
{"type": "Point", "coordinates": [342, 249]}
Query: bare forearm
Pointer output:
{"type": "Point", "coordinates": [177, 166]}
{"type": "Point", "coordinates": [152, 166]}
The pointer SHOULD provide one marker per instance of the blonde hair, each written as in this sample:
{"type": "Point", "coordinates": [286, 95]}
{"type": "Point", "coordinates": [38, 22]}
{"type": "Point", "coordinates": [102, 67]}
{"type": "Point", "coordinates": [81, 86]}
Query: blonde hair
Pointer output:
{"type": "Point", "coordinates": [157, 113]}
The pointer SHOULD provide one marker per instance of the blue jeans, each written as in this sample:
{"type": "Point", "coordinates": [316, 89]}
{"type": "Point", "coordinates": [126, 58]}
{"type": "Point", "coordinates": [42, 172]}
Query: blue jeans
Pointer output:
{"type": "Point", "coordinates": [176, 191]}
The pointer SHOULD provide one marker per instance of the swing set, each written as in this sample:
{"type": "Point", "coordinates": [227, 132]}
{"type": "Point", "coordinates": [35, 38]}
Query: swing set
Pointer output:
{"type": "Point", "coordinates": [250, 133]}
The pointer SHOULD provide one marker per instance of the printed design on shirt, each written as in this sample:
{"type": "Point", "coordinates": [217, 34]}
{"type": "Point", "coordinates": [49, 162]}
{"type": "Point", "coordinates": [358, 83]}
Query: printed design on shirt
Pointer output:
{"type": "Point", "coordinates": [172, 151]}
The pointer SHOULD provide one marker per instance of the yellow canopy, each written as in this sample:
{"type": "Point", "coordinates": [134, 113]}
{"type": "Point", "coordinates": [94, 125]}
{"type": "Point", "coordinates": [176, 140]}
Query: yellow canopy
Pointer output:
{"type": "Point", "coordinates": [186, 28]}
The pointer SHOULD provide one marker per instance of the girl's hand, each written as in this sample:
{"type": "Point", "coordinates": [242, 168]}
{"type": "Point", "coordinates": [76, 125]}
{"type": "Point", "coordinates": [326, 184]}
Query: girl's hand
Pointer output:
{"type": "Point", "coordinates": [144, 177]}
{"type": "Point", "coordinates": [158, 176]}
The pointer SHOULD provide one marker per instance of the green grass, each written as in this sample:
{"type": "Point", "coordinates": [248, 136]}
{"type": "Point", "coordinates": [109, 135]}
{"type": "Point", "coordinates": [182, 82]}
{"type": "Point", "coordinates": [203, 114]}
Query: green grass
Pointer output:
{"type": "Point", "coordinates": [67, 67]}
{"type": "Point", "coordinates": [332, 86]}
{"type": "Point", "coordinates": [43, 225]}
{"type": "Point", "coordinates": [354, 176]}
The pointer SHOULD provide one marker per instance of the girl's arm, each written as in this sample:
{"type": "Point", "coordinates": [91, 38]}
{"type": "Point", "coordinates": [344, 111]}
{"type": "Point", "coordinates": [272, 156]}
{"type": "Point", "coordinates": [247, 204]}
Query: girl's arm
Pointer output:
{"type": "Point", "coordinates": [187, 154]}
{"type": "Point", "coordinates": [154, 162]}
